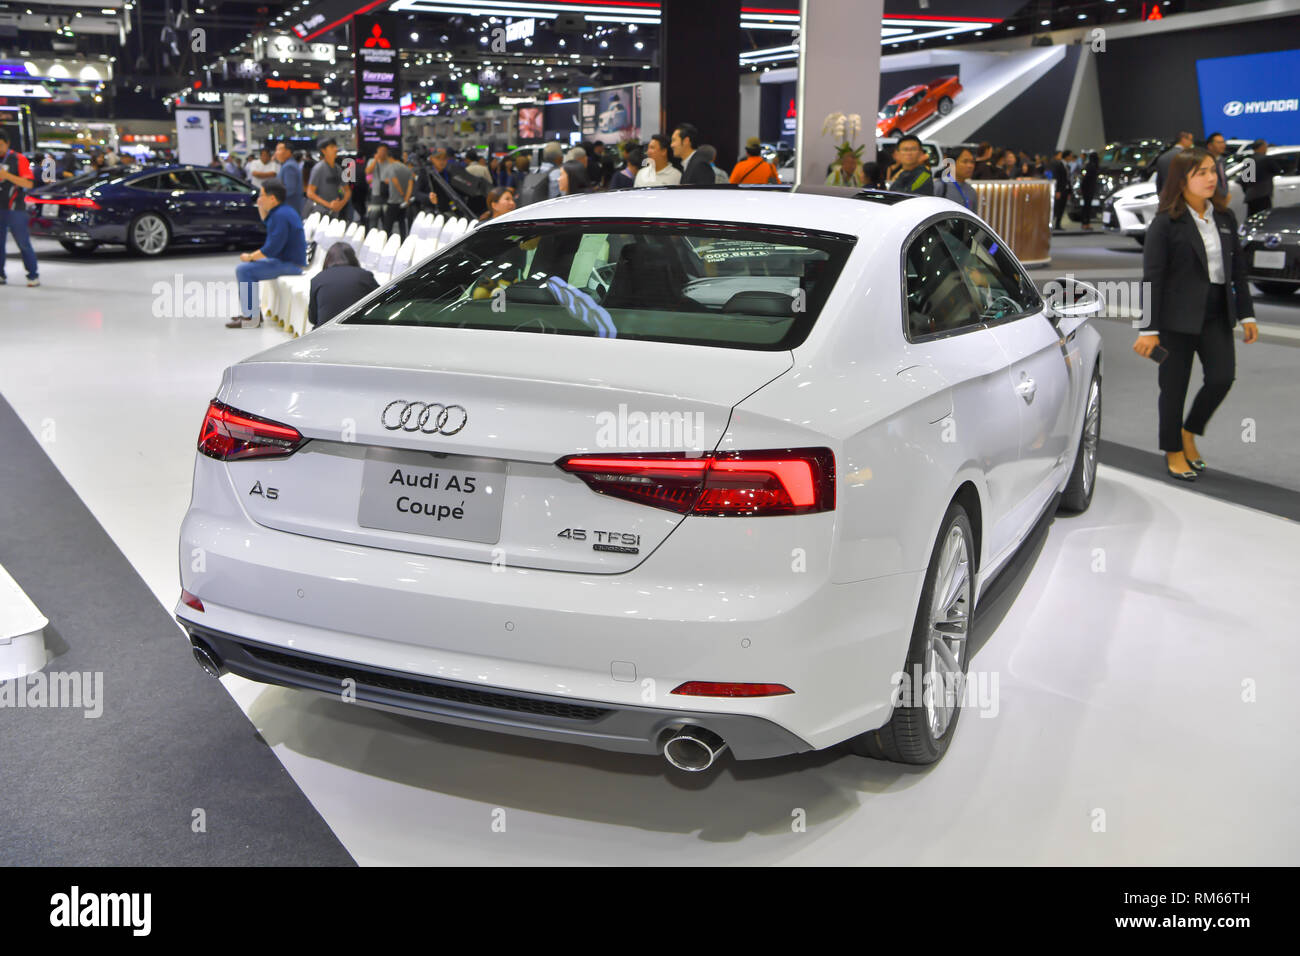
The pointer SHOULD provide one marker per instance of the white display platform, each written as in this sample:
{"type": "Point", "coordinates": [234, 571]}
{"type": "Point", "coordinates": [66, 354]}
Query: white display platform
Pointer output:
{"type": "Point", "coordinates": [22, 631]}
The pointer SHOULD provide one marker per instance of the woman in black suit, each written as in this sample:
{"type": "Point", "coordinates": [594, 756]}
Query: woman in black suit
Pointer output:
{"type": "Point", "coordinates": [1195, 271]}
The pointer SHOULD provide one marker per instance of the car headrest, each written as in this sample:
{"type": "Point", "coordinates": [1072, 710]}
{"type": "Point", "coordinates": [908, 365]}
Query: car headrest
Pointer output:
{"type": "Point", "coordinates": [523, 294]}
{"type": "Point", "coordinates": [761, 303]}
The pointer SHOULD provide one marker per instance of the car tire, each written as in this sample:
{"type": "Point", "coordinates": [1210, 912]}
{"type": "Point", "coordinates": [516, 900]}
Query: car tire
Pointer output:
{"type": "Point", "coordinates": [79, 248]}
{"type": "Point", "coordinates": [148, 235]}
{"type": "Point", "coordinates": [944, 106]}
{"type": "Point", "coordinates": [1276, 288]}
{"type": "Point", "coordinates": [921, 734]}
{"type": "Point", "coordinates": [1077, 495]}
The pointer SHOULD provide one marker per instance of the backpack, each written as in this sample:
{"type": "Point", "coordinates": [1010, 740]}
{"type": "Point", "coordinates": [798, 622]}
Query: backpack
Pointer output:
{"type": "Point", "coordinates": [536, 188]}
{"type": "Point", "coordinates": [466, 183]}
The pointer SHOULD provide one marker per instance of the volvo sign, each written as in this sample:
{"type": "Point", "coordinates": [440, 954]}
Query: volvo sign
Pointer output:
{"type": "Point", "coordinates": [287, 48]}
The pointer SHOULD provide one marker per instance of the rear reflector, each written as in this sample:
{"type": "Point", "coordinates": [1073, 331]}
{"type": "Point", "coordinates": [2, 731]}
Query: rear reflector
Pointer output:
{"type": "Point", "coordinates": [189, 600]}
{"type": "Point", "coordinates": [703, 688]}
{"type": "Point", "coordinates": [229, 434]}
{"type": "Point", "coordinates": [790, 481]}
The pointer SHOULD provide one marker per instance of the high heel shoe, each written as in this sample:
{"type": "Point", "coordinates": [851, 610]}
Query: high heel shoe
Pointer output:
{"type": "Point", "coordinates": [1198, 464]}
{"type": "Point", "coordinates": [1181, 475]}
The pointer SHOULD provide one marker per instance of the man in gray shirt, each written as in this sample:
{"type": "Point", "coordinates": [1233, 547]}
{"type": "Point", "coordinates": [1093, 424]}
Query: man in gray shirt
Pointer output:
{"type": "Point", "coordinates": [400, 180]}
{"type": "Point", "coordinates": [326, 191]}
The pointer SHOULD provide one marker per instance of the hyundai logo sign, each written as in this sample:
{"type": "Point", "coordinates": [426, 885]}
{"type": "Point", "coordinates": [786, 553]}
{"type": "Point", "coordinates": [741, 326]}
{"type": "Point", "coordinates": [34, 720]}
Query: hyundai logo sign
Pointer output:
{"type": "Point", "coordinates": [1232, 108]}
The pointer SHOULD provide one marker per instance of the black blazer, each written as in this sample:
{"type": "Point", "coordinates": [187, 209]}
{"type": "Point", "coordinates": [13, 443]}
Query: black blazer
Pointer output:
{"type": "Point", "coordinates": [335, 289]}
{"type": "Point", "coordinates": [697, 172]}
{"type": "Point", "coordinates": [1174, 263]}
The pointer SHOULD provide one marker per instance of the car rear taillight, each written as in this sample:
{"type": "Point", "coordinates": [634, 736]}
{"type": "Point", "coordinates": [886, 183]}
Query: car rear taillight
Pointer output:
{"type": "Point", "coordinates": [229, 434]}
{"type": "Point", "coordinates": [80, 202]}
{"type": "Point", "coordinates": [791, 481]}
{"type": "Point", "coordinates": [706, 688]}
{"type": "Point", "coordinates": [189, 600]}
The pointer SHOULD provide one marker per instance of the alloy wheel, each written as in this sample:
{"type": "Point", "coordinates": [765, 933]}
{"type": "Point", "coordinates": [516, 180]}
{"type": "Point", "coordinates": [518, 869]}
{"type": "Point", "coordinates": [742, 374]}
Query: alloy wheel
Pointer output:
{"type": "Point", "coordinates": [1091, 436]}
{"type": "Point", "coordinates": [949, 629]}
{"type": "Point", "coordinates": [150, 234]}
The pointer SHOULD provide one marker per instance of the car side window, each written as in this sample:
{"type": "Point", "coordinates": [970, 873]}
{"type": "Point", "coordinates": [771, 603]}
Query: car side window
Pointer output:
{"type": "Point", "coordinates": [1287, 164]}
{"type": "Point", "coordinates": [939, 299]}
{"type": "Point", "coordinates": [217, 182]}
{"type": "Point", "coordinates": [999, 286]}
{"type": "Point", "coordinates": [145, 182]}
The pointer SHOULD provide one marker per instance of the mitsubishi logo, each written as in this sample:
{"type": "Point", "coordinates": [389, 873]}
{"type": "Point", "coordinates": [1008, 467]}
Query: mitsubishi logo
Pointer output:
{"type": "Point", "coordinates": [377, 38]}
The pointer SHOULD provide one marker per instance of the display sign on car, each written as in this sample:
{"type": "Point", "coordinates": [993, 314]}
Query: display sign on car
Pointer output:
{"type": "Point", "coordinates": [378, 113]}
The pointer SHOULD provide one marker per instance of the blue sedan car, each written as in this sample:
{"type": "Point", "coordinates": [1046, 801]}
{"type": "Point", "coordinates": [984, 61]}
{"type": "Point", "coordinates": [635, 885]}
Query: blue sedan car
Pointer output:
{"type": "Point", "coordinates": [148, 209]}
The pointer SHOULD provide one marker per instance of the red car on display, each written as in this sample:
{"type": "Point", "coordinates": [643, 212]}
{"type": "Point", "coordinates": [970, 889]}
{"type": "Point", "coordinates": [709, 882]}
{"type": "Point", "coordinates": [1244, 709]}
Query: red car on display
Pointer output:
{"type": "Point", "coordinates": [906, 110]}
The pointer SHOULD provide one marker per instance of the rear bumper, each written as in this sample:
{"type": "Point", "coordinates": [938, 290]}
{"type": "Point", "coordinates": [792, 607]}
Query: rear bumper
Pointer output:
{"type": "Point", "coordinates": [75, 229]}
{"type": "Point", "coordinates": [640, 730]}
{"type": "Point", "coordinates": [624, 641]}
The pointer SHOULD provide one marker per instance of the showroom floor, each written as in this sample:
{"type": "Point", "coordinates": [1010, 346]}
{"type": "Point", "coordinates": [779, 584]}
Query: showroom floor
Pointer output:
{"type": "Point", "coordinates": [1124, 646]}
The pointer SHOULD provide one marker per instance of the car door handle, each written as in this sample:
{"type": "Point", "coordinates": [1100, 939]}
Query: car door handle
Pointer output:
{"type": "Point", "coordinates": [1026, 390]}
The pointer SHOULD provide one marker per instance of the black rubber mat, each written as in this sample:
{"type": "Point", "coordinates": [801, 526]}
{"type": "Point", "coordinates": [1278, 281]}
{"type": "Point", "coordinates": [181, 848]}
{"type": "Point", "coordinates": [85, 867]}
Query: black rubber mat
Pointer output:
{"type": "Point", "coordinates": [171, 772]}
{"type": "Point", "coordinates": [1259, 495]}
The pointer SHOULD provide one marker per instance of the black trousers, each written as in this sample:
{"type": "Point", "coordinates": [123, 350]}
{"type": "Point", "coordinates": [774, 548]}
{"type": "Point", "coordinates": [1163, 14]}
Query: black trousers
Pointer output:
{"type": "Point", "coordinates": [1058, 209]}
{"type": "Point", "coordinates": [1258, 205]}
{"type": "Point", "coordinates": [1214, 344]}
{"type": "Point", "coordinates": [395, 216]}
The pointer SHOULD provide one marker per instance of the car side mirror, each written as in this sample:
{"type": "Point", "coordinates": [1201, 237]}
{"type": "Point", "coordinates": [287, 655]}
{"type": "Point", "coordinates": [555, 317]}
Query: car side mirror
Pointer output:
{"type": "Point", "coordinates": [1069, 303]}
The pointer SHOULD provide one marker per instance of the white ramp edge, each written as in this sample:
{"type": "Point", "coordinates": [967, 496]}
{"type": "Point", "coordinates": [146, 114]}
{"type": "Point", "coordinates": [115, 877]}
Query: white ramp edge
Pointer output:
{"type": "Point", "coordinates": [22, 631]}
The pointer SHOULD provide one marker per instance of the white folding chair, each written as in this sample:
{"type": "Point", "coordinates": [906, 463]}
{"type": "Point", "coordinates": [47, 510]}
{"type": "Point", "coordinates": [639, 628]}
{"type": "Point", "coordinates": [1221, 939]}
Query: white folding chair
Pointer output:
{"type": "Point", "coordinates": [279, 290]}
{"type": "Point", "coordinates": [310, 224]}
{"type": "Point", "coordinates": [384, 267]}
{"type": "Point", "coordinates": [446, 233]}
{"type": "Point", "coordinates": [371, 249]}
{"type": "Point", "coordinates": [405, 253]}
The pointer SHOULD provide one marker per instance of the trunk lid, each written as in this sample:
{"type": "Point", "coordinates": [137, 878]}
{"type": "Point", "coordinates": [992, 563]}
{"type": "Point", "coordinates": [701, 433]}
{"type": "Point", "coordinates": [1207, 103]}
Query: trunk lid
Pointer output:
{"type": "Point", "coordinates": [409, 424]}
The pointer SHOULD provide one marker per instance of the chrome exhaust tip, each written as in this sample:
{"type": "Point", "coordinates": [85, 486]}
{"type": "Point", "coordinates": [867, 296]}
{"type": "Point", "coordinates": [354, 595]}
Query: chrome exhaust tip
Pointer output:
{"type": "Point", "coordinates": [693, 749]}
{"type": "Point", "coordinates": [206, 657]}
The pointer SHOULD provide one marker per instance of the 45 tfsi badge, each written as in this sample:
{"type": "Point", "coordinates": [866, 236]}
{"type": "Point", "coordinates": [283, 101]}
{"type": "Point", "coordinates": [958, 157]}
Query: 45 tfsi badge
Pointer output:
{"type": "Point", "coordinates": [619, 542]}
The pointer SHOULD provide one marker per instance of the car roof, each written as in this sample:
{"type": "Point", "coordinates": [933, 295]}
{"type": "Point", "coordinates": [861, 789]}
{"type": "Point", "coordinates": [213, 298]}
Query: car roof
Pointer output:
{"type": "Point", "coordinates": [904, 94]}
{"type": "Point", "coordinates": [854, 212]}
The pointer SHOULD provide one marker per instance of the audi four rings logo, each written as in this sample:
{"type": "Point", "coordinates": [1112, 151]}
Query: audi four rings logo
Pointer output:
{"type": "Point", "coordinates": [428, 418]}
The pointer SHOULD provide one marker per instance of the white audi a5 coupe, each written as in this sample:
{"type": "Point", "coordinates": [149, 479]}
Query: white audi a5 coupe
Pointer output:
{"type": "Point", "coordinates": [664, 471]}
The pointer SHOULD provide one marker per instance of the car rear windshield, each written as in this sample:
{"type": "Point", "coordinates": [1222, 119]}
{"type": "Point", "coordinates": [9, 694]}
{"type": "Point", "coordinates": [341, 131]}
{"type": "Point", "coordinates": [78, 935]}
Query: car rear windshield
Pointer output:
{"type": "Point", "coordinates": [718, 284]}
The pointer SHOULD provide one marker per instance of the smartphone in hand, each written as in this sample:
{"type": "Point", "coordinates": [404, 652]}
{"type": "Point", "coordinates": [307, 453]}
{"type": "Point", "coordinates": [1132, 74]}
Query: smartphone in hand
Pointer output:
{"type": "Point", "coordinates": [1158, 354]}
